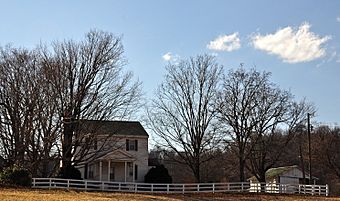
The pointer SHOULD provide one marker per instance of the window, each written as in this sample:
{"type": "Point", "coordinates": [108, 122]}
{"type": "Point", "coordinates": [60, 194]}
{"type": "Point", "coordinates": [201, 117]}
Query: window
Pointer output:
{"type": "Point", "coordinates": [87, 141]}
{"type": "Point", "coordinates": [131, 145]}
{"type": "Point", "coordinates": [130, 168]}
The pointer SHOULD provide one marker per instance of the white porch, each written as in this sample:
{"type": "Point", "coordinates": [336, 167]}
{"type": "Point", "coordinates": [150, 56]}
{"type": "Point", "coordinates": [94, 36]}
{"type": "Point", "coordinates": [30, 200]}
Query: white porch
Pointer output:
{"type": "Point", "coordinates": [118, 166]}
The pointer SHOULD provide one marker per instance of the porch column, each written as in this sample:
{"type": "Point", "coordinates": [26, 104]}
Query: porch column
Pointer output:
{"type": "Point", "coordinates": [108, 170]}
{"type": "Point", "coordinates": [100, 170]}
{"type": "Point", "coordinates": [125, 171]}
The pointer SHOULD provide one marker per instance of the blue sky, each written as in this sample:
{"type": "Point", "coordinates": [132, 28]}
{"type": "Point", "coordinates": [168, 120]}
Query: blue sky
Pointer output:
{"type": "Point", "coordinates": [298, 41]}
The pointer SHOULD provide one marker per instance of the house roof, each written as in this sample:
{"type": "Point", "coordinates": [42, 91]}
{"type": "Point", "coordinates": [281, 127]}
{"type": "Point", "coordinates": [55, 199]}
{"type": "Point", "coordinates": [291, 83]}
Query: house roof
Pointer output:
{"type": "Point", "coordinates": [130, 128]}
{"type": "Point", "coordinates": [274, 172]}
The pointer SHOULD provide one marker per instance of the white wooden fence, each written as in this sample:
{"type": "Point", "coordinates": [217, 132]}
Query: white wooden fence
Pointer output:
{"type": "Point", "coordinates": [90, 185]}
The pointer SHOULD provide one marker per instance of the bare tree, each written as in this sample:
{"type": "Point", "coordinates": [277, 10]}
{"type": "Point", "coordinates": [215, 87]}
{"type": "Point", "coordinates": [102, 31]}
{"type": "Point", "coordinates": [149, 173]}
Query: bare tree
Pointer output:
{"type": "Point", "coordinates": [17, 102]}
{"type": "Point", "coordinates": [250, 106]}
{"type": "Point", "coordinates": [274, 132]}
{"type": "Point", "coordinates": [25, 111]}
{"type": "Point", "coordinates": [46, 142]}
{"type": "Point", "coordinates": [89, 83]}
{"type": "Point", "coordinates": [236, 110]}
{"type": "Point", "coordinates": [183, 113]}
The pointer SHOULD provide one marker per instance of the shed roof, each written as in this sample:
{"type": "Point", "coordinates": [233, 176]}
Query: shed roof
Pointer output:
{"type": "Point", "coordinates": [129, 128]}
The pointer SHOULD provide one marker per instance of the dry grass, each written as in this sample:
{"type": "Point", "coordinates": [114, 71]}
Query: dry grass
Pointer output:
{"type": "Point", "coordinates": [53, 195]}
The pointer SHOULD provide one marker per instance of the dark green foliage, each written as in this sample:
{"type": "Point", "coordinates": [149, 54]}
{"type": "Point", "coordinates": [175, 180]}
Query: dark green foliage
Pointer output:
{"type": "Point", "coordinates": [158, 174]}
{"type": "Point", "coordinates": [15, 175]}
{"type": "Point", "coordinates": [69, 173]}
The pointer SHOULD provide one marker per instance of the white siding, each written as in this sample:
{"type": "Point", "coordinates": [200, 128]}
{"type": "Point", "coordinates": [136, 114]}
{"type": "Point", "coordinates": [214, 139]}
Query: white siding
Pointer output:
{"type": "Point", "coordinates": [289, 180]}
{"type": "Point", "coordinates": [139, 157]}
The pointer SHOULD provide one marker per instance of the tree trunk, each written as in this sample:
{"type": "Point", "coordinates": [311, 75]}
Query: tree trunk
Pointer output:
{"type": "Point", "coordinates": [242, 166]}
{"type": "Point", "coordinates": [197, 170]}
{"type": "Point", "coordinates": [262, 180]}
{"type": "Point", "coordinates": [67, 144]}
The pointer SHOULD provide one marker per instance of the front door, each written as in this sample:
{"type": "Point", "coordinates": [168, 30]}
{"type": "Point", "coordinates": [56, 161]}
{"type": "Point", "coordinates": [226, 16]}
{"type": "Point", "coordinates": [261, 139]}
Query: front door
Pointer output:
{"type": "Point", "coordinates": [112, 173]}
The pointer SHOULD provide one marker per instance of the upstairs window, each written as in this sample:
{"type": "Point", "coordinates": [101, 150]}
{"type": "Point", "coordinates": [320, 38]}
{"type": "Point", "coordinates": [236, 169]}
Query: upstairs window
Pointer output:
{"type": "Point", "coordinates": [91, 143]}
{"type": "Point", "coordinates": [131, 145]}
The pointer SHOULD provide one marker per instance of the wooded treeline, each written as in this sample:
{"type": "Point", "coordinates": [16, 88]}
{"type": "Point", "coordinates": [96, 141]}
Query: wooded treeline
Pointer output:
{"type": "Point", "coordinates": [223, 165]}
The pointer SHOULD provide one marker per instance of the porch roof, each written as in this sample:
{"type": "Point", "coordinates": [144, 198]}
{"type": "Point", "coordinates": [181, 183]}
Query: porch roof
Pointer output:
{"type": "Point", "coordinates": [117, 155]}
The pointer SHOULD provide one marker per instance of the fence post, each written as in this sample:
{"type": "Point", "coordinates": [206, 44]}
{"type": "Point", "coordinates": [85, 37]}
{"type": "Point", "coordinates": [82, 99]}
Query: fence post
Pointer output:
{"type": "Point", "coordinates": [85, 185]}
{"type": "Point", "coordinates": [167, 188]}
{"type": "Point", "coordinates": [313, 189]}
{"type": "Point", "coordinates": [299, 189]}
{"type": "Point", "coordinates": [319, 189]}
{"type": "Point", "coordinates": [271, 188]}
{"type": "Point", "coordinates": [50, 183]}
{"type": "Point", "coordinates": [242, 187]}
{"type": "Point", "coordinates": [198, 187]}
{"type": "Point", "coordinates": [119, 187]}
{"type": "Point", "coordinates": [228, 187]}
{"type": "Point", "coordinates": [213, 188]}
{"type": "Point", "coordinates": [136, 186]}
{"type": "Point", "coordinates": [102, 186]}
{"type": "Point", "coordinates": [68, 184]}
{"type": "Point", "coordinates": [326, 189]}
{"type": "Point", "coordinates": [183, 188]}
{"type": "Point", "coordinates": [151, 187]}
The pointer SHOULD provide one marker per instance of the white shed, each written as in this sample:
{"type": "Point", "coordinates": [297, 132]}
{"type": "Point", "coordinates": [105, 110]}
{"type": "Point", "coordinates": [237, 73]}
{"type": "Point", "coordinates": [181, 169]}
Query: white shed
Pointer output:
{"type": "Point", "coordinates": [282, 175]}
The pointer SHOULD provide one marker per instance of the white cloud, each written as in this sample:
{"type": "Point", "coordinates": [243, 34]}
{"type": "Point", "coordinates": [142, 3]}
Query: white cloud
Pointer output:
{"type": "Point", "coordinates": [167, 56]}
{"type": "Point", "coordinates": [225, 43]}
{"type": "Point", "coordinates": [170, 57]}
{"type": "Point", "coordinates": [338, 19]}
{"type": "Point", "coordinates": [293, 46]}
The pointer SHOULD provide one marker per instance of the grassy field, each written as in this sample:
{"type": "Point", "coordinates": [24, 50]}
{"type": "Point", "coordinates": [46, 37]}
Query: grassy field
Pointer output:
{"type": "Point", "coordinates": [53, 195]}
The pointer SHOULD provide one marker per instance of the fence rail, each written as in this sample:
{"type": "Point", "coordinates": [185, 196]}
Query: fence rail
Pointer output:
{"type": "Point", "coordinates": [90, 185]}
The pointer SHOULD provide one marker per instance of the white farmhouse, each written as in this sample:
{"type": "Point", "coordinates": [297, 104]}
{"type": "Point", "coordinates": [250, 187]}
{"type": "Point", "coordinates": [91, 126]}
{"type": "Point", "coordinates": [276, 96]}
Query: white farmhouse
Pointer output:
{"type": "Point", "coordinates": [118, 151]}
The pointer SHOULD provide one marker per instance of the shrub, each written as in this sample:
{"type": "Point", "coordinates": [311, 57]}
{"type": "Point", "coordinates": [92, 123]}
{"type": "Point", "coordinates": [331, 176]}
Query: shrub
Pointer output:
{"type": "Point", "coordinates": [69, 173]}
{"type": "Point", "coordinates": [158, 174]}
{"type": "Point", "coordinates": [16, 175]}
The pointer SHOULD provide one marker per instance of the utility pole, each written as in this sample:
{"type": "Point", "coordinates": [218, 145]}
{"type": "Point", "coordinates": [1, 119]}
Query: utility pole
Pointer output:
{"type": "Point", "coordinates": [309, 148]}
